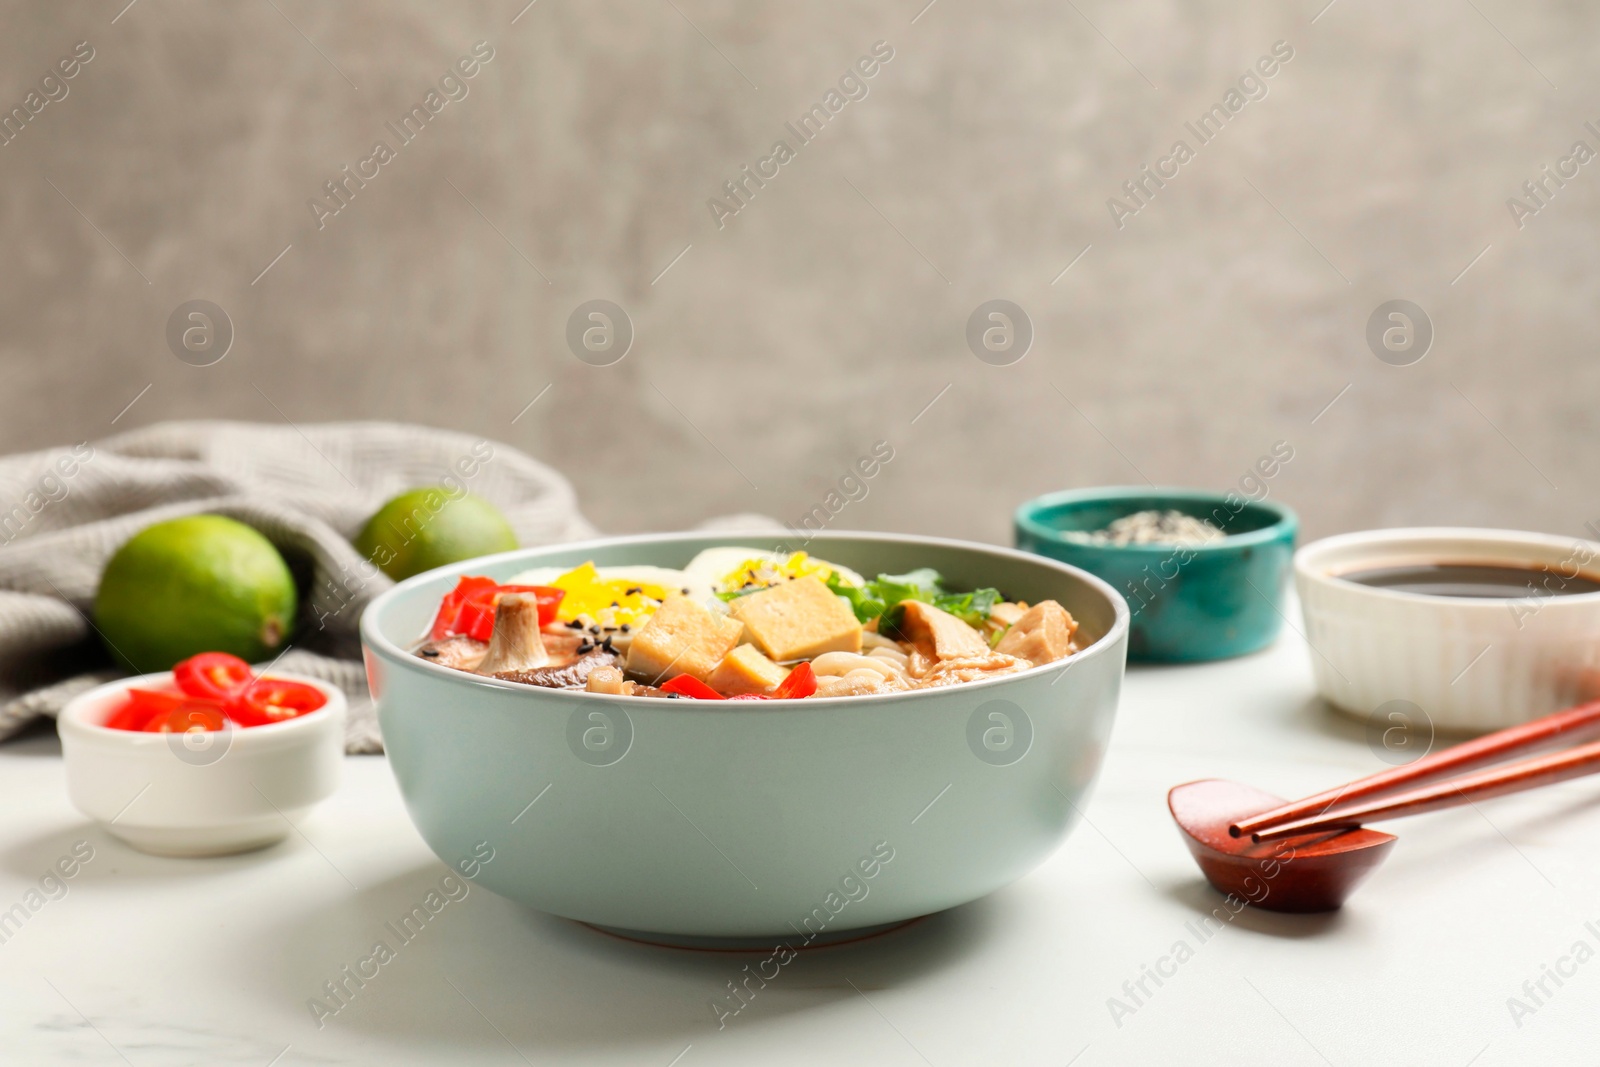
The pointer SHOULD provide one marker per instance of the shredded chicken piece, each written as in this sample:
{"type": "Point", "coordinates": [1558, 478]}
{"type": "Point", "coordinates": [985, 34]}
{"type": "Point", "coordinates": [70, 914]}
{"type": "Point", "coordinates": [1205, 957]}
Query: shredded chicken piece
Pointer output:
{"type": "Point", "coordinates": [968, 669]}
{"type": "Point", "coordinates": [939, 635]}
{"type": "Point", "coordinates": [892, 683]}
{"type": "Point", "coordinates": [1044, 633]}
{"type": "Point", "coordinates": [1002, 617]}
{"type": "Point", "coordinates": [1007, 612]}
{"type": "Point", "coordinates": [515, 644]}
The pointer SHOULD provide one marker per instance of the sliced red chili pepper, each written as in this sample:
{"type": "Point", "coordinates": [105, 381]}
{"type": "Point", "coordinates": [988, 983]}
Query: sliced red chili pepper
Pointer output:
{"type": "Point", "coordinates": [128, 717]}
{"type": "Point", "coordinates": [444, 623]}
{"type": "Point", "coordinates": [272, 700]}
{"type": "Point", "coordinates": [689, 686]}
{"type": "Point", "coordinates": [189, 715]}
{"type": "Point", "coordinates": [801, 682]}
{"type": "Point", "coordinates": [212, 675]}
{"type": "Point", "coordinates": [141, 706]}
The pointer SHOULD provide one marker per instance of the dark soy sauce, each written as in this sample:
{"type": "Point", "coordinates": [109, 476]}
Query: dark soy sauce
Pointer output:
{"type": "Point", "coordinates": [1482, 580]}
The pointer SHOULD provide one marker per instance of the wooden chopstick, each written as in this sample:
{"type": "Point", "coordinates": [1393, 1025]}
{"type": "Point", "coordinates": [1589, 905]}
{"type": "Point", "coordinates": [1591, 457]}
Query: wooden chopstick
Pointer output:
{"type": "Point", "coordinates": [1491, 748]}
{"type": "Point", "coordinates": [1527, 774]}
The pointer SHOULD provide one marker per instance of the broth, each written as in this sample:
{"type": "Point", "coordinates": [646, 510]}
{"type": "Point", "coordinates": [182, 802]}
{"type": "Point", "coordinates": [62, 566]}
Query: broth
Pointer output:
{"type": "Point", "coordinates": [1482, 580]}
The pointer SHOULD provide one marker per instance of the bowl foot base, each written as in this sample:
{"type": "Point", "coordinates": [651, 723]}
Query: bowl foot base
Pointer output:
{"type": "Point", "coordinates": [753, 944]}
{"type": "Point", "coordinates": [198, 841]}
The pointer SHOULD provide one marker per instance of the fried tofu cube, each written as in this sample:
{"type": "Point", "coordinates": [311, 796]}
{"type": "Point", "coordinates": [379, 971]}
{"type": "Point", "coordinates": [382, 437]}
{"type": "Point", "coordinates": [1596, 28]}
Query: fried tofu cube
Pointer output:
{"type": "Point", "coordinates": [801, 619]}
{"type": "Point", "coordinates": [745, 670]}
{"type": "Point", "coordinates": [682, 637]}
{"type": "Point", "coordinates": [1043, 634]}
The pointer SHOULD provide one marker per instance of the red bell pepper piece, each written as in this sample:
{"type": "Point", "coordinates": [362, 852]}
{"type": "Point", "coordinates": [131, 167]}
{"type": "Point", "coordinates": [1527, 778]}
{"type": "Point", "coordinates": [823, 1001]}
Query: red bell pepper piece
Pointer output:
{"type": "Point", "coordinates": [801, 682]}
{"type": "Point", "coordinates": [689, 686]}
{"type": "Point", "coordinates": [444, 623]}
{"type": "Point", "coordinates": [469, 607]}
{"type": "Point", "coordinates": [476, 616]}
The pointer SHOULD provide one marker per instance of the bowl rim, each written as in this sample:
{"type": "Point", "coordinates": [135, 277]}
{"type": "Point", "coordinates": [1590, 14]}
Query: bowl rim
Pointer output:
{"type": "Point", "coordinates": [374, 641]}
{"type": "Point", "coordinates": [1306, 565]}
{"type": "Point", "coordinates": [1286, 523]}
{"type": "Point", "coordinates": [72, 714]}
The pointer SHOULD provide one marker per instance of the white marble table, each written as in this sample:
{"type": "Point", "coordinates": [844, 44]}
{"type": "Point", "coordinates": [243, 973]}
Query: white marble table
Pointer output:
{"type": "Point", "coordinates": [153, 961]}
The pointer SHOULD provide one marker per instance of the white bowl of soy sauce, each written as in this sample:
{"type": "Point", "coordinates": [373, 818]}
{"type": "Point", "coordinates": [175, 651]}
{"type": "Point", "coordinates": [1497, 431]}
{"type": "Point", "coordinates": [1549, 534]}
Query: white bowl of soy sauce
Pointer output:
{"type": "Point", "coordinates": [1462, 630]}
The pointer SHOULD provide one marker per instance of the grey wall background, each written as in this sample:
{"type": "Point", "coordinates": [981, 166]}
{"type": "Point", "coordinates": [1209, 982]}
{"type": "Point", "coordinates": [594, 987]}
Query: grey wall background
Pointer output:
{"type": "Point", "coordinates": [1225, 316]}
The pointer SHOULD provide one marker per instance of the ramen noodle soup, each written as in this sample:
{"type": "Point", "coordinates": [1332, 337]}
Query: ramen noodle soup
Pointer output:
{"type": "Point", "coordinates": [740, 624]}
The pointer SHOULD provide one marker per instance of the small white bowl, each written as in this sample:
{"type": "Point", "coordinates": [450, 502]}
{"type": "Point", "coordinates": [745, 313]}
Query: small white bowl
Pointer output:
{"type": "Point", "coordinates": [201, 793]}
{"type": "Point", "coordinates": [1469, 663]}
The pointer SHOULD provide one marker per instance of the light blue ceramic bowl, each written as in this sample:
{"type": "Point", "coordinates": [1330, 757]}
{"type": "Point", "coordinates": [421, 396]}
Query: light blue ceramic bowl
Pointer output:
{"type": "Point", "coordinates": [708, 819]}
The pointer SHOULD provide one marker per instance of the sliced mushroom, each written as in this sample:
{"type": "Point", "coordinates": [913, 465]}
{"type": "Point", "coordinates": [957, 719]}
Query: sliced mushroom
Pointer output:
{"type": "Point", "coordinates": [563, 648]}
{"type": "Point", "coordinates": [459, 651]}
{"type": "Point", "coordinates": [515, 644]}
{"type": "Point", "coordinates": [612, 682]}
{"type": "Point", "coordinates": [608, 680]}
{"type": "Point", "coordinates": [573, 674]}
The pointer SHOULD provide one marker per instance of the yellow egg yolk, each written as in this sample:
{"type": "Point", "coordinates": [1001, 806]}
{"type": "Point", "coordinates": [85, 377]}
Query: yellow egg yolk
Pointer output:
{"type": "Point", "coordinates": [765, 572]}
{"type": "Point", "coordinates": [611, 600]}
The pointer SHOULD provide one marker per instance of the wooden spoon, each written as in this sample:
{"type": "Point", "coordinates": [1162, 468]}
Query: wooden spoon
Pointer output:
{"type": "Point", "coordinates": [1309, 855]}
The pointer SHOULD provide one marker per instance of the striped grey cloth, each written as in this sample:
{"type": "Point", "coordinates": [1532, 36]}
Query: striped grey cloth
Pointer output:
{"type": "Point", "coordinates": [309, 490]}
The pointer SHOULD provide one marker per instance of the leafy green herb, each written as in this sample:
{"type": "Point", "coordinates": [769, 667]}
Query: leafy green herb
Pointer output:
{"type": "Point", "coordinates": [971, 608]}
{"type": "Point", "coordinates": [881, 598]}
{"type": "Point", "coordinates": [861, 602]}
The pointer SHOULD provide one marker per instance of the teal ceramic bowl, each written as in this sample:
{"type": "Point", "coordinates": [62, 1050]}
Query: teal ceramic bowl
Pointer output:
{"type": "Point", "coordinates": [803, 819]}
{"type": "Point", "coordinates": [1187, 604]}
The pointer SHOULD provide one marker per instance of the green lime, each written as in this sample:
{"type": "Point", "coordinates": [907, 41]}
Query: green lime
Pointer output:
{"type": "Point", "coordinates": [202, 583]}
{"type": "Point", "coordinates": [426, 528]}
